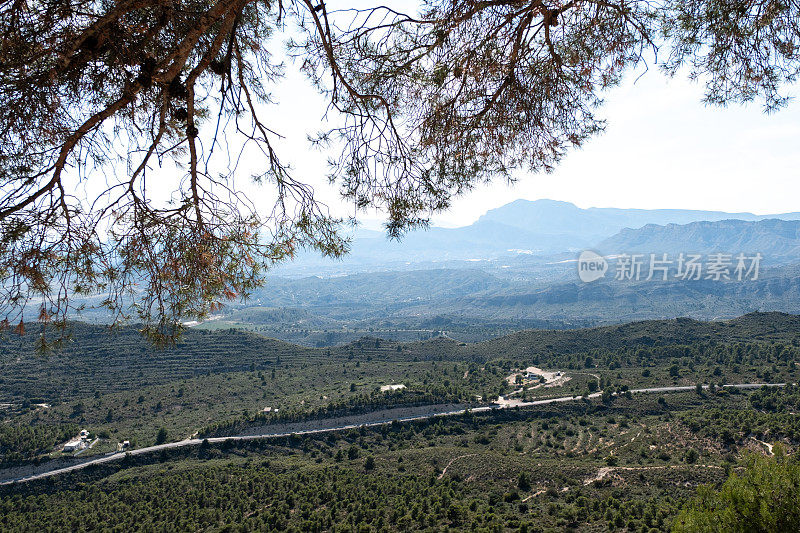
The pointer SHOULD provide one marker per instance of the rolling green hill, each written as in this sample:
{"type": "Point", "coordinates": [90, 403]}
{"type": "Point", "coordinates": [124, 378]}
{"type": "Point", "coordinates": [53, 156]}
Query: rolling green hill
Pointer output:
{"type": "Point", "coordinates": [625, 462]}
{"type": "Point", "coordinates": [755, 327]}
{"type": "Point", "coordinates": [96, 360]}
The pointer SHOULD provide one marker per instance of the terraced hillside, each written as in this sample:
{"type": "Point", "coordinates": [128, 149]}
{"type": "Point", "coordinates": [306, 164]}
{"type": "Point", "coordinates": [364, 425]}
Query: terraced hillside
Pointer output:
{"type": "Point", "coordinates": [95, 359]}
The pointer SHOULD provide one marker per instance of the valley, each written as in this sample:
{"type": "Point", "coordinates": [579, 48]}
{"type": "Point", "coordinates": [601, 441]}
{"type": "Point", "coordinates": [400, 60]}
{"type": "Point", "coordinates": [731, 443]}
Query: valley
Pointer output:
{"type": "Point", "coordinates": [634, 419]}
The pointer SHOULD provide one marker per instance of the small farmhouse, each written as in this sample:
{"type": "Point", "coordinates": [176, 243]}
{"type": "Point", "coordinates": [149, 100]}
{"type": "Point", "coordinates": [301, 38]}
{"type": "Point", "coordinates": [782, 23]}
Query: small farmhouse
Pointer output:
{"type": "Point", "coordinates": [78, 443]}
{"type": "Point", "coordinates": [75, 445]}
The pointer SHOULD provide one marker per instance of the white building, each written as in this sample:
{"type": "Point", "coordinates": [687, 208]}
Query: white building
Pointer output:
{"type": "Point", "coordinates": [75, 445]}
{"type": "Point", "coordinates": [78, 443]}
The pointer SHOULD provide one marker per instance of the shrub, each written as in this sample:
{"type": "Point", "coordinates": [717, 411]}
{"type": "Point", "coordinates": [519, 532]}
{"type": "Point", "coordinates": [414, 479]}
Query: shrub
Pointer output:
{"type": "Point", "coordinates": [766, 497]}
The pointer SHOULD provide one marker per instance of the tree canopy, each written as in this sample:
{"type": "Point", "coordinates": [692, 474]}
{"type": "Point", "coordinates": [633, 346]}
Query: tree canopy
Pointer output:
{"type": "Point", "coordinates": [764, 497]}
{"type": "Point", "coordinates": [97, 96]}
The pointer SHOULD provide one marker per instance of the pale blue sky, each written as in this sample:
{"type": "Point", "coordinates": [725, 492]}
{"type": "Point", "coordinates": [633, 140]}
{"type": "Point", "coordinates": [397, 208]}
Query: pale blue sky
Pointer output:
{"type": "Point", "coordinates": [663, 148]}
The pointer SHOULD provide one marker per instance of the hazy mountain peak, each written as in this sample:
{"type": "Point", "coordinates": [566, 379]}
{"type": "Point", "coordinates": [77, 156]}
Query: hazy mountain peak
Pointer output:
{"type": "Point", "coordinates": [557, 217]}
{"type": "Point", "coordinates": [522, 227]}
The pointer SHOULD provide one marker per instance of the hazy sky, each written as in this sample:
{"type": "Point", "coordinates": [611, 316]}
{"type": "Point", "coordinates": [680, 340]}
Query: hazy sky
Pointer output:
{"type": "Point", "coordinates": [662, 149]}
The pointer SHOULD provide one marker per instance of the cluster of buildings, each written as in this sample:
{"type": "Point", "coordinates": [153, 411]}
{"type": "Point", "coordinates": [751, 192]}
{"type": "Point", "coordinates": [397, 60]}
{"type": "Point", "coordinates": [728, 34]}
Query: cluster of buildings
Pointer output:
{"type": "Point", "coordinates": [78, 443]}
{"type": "Point", "coordinates": [81, 442]}
{"type": "Point", "coordinates": [533, 376]}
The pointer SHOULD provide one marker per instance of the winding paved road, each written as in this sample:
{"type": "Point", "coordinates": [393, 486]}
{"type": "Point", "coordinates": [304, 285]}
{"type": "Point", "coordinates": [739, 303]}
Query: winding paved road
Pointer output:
{"type": "Point", "coordinates": [196, 442]}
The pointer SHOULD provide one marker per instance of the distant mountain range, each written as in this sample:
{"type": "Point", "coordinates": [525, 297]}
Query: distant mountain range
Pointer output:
{"type": "Point", "coordinates": [505, 289]}
{"type": "Point", "coordinates": [472, 304]}
{"type": "Point", "coordinates": [521, 228]}
{"type": "Point", "coordinates": [549, 217]}
{"type": "Point", "coordinates": [516, 267]}
{"type": "Point", "coordinates": [777, 240]}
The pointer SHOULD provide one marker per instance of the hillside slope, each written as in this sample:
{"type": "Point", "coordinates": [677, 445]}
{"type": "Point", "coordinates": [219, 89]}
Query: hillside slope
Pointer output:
{"type": "Point", "coordinates": [95, 361]}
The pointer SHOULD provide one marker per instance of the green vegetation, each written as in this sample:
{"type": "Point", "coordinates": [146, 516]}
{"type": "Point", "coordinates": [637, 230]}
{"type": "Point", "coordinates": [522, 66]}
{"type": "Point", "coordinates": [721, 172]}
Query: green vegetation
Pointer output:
{"type": "Point", "coordinates": [338, 326]}
{"type": "Point", "coordinates": [769, 415]}
{"type": "Point", "coordinates": [610, 461]}
{"type": "Point", "coordinates": [21, 443]}
{"type": "Point", "coordinates": [629, 465]}
{"type": "Point", "coordinates": [297, 391]}
{"type": "Point", "coordinates": [476, 304]}
{"type": "Point", "coordinates": [219, 382]}
{"type": "Point", "coordinates": [765, 497]}
{"type": "Point", "coordinates": [512, 470]}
